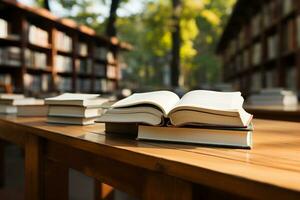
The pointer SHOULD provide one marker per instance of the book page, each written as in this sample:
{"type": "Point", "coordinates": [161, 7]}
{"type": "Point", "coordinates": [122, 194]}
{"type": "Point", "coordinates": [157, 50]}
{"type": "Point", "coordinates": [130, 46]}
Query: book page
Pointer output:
{"type": "Point", "coordinates": [165, 100]}
{"type": "Point", "coordinates": [211, 100]}
{"type": "Point", "coordinates": [74, 96]}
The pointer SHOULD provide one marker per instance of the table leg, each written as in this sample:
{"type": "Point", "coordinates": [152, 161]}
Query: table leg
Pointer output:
{"type": "Point", "coordinates": [159, 186]}
{"type": "Point", "coordinates": [56, 181]}
{"type": "Point", "coordinates": [2, 163]}
{"type": "Point", "coordinates": [103, 191]}
{"type": "Point", "coordinates": [33, 168]}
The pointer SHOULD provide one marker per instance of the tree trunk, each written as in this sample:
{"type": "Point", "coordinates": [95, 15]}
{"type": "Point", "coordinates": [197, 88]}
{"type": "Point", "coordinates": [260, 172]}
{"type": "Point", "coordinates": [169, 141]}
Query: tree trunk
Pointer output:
{"type": "Point", "coordinates": [111, 24]}
{"type": "Point", "coordinates": [46, 5]}
{"type": "Point", "coordinates": [176, 40]}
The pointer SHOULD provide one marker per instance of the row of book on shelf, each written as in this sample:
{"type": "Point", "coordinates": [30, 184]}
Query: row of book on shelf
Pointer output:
{"type": "Point", "coordinates": [63, 42]}
{"type": "Point", "coordinates": [199, 117]}
{"type": "Point", "coordinates": [37, 84]}
{"type": "Point", "coordinates": [290, 41]}
{"type": "Point", "coordinates": [11, 56]}
{"type": "Point", "coordinates": [266, 17]}
{"type": "Point", "coordinates": [255, 80]}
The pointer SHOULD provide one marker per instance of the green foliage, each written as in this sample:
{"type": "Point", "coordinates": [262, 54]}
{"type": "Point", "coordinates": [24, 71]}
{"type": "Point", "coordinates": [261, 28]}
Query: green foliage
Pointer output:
{"type": "Point", "coordinates": [201, 23]}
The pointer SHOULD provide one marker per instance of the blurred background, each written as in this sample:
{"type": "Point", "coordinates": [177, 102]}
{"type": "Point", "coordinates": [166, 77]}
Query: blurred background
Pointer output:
{"type": "Point", "coordinates": [169, 44]}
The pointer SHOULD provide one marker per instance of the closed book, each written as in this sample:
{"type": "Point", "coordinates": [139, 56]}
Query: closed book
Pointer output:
{"type": "Point", "coordinates": [8, 109]}
{"type": "Point", "coordinates": [240, 138]}
{"type": "Point", "coordinates": [71, 120]}
{"type": "Point", "coordinates": [74, 111]}
{"type": "Point", "coordinates": [33, 111]}
{"type": "Point", "coordinates": [16, 102]}
{"type": "Point", "coordinates": [72, 99]}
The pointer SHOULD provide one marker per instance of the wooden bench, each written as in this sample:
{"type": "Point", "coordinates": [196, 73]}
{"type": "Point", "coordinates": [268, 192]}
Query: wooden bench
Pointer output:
{"type": "Point", "coordinates": [148, 170]}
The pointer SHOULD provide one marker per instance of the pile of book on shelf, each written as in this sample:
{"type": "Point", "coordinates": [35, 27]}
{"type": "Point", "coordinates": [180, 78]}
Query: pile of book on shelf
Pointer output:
{"type": "Point", "coordinates": [37, 83]}
{"type": "Point", "coordinates": [85, 66]}
{"type": "Point", "coordinates": [83, 84]}
{"type": "Point", "coordinates": [273, 44]}
{"type": "Point", "coordinates": [99, 69]}
{"type": "Point", "coordinates": [100, 85]}
{"type": "Point", "coordinates": [82, 49]}
{"type": "Point", "coordinates": [3, 28]}
{"type": "Point", "coordinates": [5, 79]}
{"type": "Point", "coordinates": [63, 63]}
{"type": "Point", "coordinates": [200, 117]}
{"type": "Point", "coordinates": [274, 97]}
{"type": "Point", "coordinates": [103, 54]}
{"type": "Point", "coordinates": [21, 105]}
{"type": "Point", "coordinates": [64, 84]}
{"type": "Point", "coordinates": [111, 71]}
{"type": "Point", "coordinates": [78, 109]}
{"type": "Point", "coordinates": [36, 60]}
{"type": "Point", "coordinates": [10, 56]}
{"type": "Point", "coordinates": [63, 42]}
{"type": "Point", "coordinates": [38, 36]}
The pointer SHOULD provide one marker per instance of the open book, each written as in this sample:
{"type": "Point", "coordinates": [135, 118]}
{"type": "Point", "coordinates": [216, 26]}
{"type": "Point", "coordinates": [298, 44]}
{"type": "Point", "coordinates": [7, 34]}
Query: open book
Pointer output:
{"type": "Point", "coordinates": [199, 107]}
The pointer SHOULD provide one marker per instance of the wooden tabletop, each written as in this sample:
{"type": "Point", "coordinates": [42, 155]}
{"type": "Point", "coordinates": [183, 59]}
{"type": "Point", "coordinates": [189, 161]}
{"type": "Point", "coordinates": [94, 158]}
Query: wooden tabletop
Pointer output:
{"type": "Point", "coordinates": [272, 167]}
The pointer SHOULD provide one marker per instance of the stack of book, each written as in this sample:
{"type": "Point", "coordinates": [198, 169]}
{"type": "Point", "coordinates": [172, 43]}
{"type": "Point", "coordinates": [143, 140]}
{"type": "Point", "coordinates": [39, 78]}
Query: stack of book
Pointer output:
{"type": "Point", "coordinates": [9, 102]}
{"type": "Point", "coordinates": [274, 97]}
{"type": "Point", "coordinates": [78, 109]}
{"type": "Point", "coordinates": [36, 109]}
{"type": "Point", "coordinates": [200, 116]}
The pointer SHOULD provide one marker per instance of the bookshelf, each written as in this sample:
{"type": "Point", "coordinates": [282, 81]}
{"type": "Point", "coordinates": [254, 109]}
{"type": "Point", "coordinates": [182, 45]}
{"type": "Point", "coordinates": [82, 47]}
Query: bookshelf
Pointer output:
{"type": "Point", "coordinates": [40, 53]}
{"type": "Point", "coordinates": [260, 46]}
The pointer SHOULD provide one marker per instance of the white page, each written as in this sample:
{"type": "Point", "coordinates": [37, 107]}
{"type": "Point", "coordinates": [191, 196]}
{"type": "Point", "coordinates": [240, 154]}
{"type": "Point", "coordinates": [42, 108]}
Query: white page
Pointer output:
{"type": "Point", "coordinates": [74, 96]}
{"type": "Point", "coordinates": [223, 101]}
{"type": "Point", "coordinates": [165, 100]}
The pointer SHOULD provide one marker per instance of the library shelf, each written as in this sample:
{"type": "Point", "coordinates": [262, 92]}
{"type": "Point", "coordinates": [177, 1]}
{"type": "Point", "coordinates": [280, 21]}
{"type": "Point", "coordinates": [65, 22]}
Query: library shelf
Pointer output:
{"type": "Point", "coordinates": [61, 42]}
{"type": "Point", "coordinates": [64, 53]}
{"type": "Point", "coordinates": [277, 32]}
{"type": "Point", "coordinates": [82, 75]}
{"type": "Point", "coordinates": [35, 70]}
{"type": "Point", "coordinates": [65, 74]}
{"type": "Point", "coordinates": [35, 47]}
{"type": "Point", "coordinates": [9, 42]}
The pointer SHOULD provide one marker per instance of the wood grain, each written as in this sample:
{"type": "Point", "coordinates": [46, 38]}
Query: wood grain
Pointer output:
{"type": "Point", "coordinates": [271, 169]}
{"type": "Point", "coordinates": [33, 167]}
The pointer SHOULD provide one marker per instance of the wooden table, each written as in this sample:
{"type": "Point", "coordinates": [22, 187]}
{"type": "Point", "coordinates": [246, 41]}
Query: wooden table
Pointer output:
{"type": "Point", "coordinates": [285, 113]}
{"type": "Point", "coordinates": [150, 170]}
